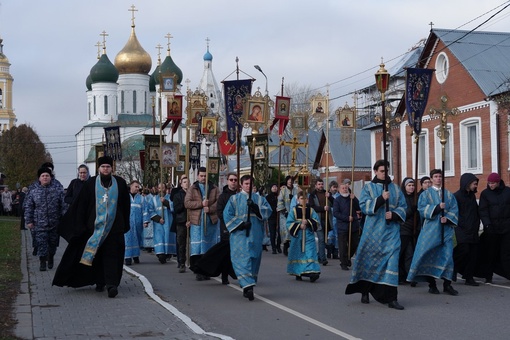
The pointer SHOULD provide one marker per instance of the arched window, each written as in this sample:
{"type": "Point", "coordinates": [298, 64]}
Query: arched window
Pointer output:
{"type": "Point", "coordinates": [105, 105]}
{"type": "Point", "coordinates": [134, 101]}
{"type": "Point", "coordinates": [1, 99]}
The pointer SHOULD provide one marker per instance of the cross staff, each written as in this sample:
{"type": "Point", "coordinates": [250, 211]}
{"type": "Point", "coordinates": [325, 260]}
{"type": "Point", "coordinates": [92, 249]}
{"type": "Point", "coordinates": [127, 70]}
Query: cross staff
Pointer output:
{"type": "Point", "coordinates": [294, 144]}
{"type": "Point", "coordinates": [443, 135]}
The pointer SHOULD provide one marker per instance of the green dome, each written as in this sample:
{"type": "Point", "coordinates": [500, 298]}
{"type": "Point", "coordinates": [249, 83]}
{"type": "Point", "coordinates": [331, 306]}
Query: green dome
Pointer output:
{"type": "Point", "coordinates": [152, 80]}
{"type": "Point", "coordinates": [88, 83]}
{"type": "Point", "coordinates": [168, 66]}
{"type": "Point", "coordinates": [104, 71]}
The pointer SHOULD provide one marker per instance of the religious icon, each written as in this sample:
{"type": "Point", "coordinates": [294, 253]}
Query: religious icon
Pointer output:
{"type": "Point", "coordinates": [213, 166]}
{"type": "Point", "coordinates": [319, 108]}
{"type": "Point", "coordinates": [170, 152]}
{"type": "Point", "coordinates": [154, 154]}
{"type": "Point", "coordinates": [259, 152]}
{"type": "Point", "coordinates": [282, 107]}
{"type": "Point", "coordinates": [255, 112]}
{"type": "Point", "coordinates": [174, 107]}
{"type": "Point", "coordinates": [238, 104]}
{"type": "Point", "coordinates": [298, 122]}
{"type": "Point", "coordinates": [208, 126]}
{"type": "Point", "coordinates": [168, 83]}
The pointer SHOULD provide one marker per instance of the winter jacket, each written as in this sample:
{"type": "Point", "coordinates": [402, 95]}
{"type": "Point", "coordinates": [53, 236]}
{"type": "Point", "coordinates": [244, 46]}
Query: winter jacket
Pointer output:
{"type": "Point", "coordinates": [469, 217]}
{"type": "Point", "coordinates": [44, 205]}
{"type": "Point", "coordinates": [495, 209]}
{"type": "Point", "coordinates": [220, 206]}
{"type": "Point", "coordinates": [342, 210]}
{"type": "Point", "coordinates": [272, 199]}
{"type": "Point", "coordinates": [193, 202]}
{"type": "Point", "coordinates": [407, 227]}
{"type": "Point", "coordinates": [180, 212]}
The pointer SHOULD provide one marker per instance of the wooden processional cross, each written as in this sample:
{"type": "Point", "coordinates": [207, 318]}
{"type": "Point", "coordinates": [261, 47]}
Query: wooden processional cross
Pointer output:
{"type": "Point", "coordinates": [294, 144]}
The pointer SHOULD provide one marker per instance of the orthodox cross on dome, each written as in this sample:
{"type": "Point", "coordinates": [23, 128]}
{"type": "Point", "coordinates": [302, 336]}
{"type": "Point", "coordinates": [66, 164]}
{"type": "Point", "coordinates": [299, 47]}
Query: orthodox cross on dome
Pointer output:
{"type": "Point", "coordinates": [98, 45]}
{"type": "Point", "coordinates": [431, 25]}
{"type": "Point", "coordinates": [168, 36]}
{"type": "Point", "coordinates": [159, 47]}
{"type": "Point", "coordinates": [133, 10]}
{"type": "Point", "coordinates": [207, 40]}
{"type": "Point", "coordinates": [104, 35]}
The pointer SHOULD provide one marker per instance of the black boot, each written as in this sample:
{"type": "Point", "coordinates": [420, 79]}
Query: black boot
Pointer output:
{"type": "Point", "coordinates": [335, 253]}
{"type": "Point", "coordinates": [329, 253]}
{"type": "Point", "coordinates": [50, 262]}
{"type": "Point", "coordinates": [42, 260]}
{"type": "Point", "coordinates": [286, 245]}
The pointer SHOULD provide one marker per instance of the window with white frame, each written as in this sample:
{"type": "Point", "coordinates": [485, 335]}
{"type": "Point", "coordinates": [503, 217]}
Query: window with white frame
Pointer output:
{"type": "Point", "coordinates": [449, 160]}
{"type": "Point", "coordinates": [471, 146]}
{"type": "Point", "coordinates": [423, 154]}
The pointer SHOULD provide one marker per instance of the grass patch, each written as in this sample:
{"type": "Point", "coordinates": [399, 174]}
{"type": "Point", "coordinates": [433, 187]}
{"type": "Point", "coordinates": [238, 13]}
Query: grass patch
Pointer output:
{"type": "Point", "coordinates": [10, 272]}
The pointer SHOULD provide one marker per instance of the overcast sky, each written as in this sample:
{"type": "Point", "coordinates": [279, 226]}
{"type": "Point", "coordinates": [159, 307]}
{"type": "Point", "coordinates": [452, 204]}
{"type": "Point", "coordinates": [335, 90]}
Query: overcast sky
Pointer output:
{"type": "Point", "coordinates": [50, 45]}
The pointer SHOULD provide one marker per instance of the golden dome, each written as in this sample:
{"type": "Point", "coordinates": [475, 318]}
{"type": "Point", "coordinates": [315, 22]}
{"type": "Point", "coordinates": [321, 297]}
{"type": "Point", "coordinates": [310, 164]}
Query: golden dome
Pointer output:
{"type": "Point", "coordinates": [133, 58]}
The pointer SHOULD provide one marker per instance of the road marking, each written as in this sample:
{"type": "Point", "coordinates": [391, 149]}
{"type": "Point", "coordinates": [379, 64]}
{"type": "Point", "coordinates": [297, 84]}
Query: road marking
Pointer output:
{"type": "Point", "coordinates": [183, 317]}
{"type": "Point", "coordinates": [299, 315]}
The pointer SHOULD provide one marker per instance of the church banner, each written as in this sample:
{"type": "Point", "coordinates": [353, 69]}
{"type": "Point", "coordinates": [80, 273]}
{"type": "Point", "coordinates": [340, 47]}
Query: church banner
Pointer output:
{"type": "Point", "coordinates": [281, 114]}
{"type": "Point", "coordinates": [113, 147]}
{"type": "Point", "coordinates": [235, 91]}
{"type": "Point", "coordinates": [417, 94]}
{"type": "Point", "coordinates": [213, 169]}
{"type": "Point", "coordinates": [194, 155]}
{"type": "Point", "coordinates": [320, 151]}
{"type": "Point", "coordinates": [226, 148]}
{"type": "Point", "coordinates": [173, 112]}
{"type": "Point", "coordinates": [260, 151]}
{"type": "Point", "coordinates": [152, 160]}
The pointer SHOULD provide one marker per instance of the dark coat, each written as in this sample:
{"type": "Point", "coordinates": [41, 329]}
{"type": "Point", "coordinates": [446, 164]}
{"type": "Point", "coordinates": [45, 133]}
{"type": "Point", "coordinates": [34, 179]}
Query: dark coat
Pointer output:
{"type": "Point", "coordinates": [469, 217]}
{"type": "Point", "coordinates": [407, 227]}
{"type": "Point", "coordinates": [272, 199]}
{"type": "Point", "coordinates": [220, 206]}
{"type": "Point", "coordinates": [73, 190]}
{"type": "Point", "coordinates": [495, 209]}
{"type": "Point", "coordinates": [314, 202]}
{"type": "Point", "coordinates": [342, 210]}
{"type": "Point", "coordinates": [77, 226]}
{"type": "Point", "coordinates": [180, 211]}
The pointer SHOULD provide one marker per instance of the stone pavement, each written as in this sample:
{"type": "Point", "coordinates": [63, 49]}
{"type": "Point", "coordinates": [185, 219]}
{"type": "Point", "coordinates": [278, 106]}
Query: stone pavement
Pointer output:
{"type": "Point", "coordinates": [44, 311]}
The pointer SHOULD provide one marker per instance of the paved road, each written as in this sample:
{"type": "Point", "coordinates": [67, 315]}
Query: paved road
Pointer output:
{"type": "Point", "coordinates": [179, 307]}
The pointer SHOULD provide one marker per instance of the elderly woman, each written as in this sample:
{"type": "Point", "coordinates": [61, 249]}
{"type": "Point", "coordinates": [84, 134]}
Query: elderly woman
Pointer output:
{"type": "Point", "coordinates": [44, 206]}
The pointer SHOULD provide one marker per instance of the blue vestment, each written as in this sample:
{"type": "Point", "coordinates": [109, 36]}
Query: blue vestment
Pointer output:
{"type": "Point", "coordinates": [164, 240]}
{"type": "Point", "coordinates": [246, 251]}
{"type": "Point", "coordinates": [431, 256]}
{"type": "Point", "coordinates": [203, 236]}
{"type": "Point", "coordinates": [136, 219]}
{"type": "Point", "coordinates": [378, 251]}
{"type": "Point", "coordinates": [148, 232]}
{"type": "Point", "coordinates": [301, 262]}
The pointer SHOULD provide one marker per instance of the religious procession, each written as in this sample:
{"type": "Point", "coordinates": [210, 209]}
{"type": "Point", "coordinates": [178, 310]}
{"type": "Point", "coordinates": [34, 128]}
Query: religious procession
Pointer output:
{"type": "Point", "coordinates": [337, 194]}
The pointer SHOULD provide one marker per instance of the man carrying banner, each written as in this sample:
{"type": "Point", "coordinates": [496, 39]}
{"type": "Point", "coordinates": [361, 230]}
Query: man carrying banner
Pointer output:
{"type": "Point", "coordinates": [204, 230]}
{"type": "Point", "coordinates": [246, 234]}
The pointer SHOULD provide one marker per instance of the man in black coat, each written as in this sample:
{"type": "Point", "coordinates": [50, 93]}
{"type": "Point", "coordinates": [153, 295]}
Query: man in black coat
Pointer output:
{"type": "Point", "coordinates": [495, 216]}
{"type": "Point", "coordinates": [81, 229]}
{"type": "Point", "coordinates": [466, 232]}
{"type": "Point", "coordinates": [272, 222]}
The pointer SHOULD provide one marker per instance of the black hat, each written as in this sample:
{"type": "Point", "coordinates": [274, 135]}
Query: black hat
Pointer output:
{"type": "Point", "coordinates": [104, 160]}
{"type": "Point", "coordinates": [423, 179]}
{"type": "Point", "coordinates": [43, 170]}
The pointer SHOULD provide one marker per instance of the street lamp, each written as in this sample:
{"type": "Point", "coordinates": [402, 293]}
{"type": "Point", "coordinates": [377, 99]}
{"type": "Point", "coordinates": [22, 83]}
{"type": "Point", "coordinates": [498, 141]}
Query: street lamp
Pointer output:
{"type": "Point", "coordinates": [260, 70]}
{"type": "Point", "coordinates": [382, 80]}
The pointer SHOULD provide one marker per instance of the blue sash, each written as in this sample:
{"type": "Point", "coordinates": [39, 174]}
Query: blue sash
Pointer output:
{"type": "Point", "coordinates": [106, 209]}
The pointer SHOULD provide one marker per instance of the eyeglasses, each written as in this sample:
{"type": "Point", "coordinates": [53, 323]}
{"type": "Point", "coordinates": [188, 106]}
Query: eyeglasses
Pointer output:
{"type": "Point", "coordinates": [232, 179]}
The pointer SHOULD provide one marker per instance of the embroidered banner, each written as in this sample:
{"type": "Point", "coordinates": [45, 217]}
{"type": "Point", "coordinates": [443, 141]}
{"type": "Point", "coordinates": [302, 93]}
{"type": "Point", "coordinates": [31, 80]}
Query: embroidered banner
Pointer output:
{"type": "Point", "coordinates": [235, 91]}
{"type": "Point", "coordinates": [259, 150]}
{"type": "Point", "coordinates": [320, 151]}
{"type": "Point", "coordinates": [213, 169]}
{"type": "Point", "coordinates": [226, 148]}
{"type": "Point", "coordinates": [152, 160]}
{"type": "Point", "coordinates": [113, 147]}
{"type": "Point", "coordinates": [281, 114]}
{"type": "Point", "coordinates": [194, 155]}
{"type": "Point", "coordinates": [417, 93]}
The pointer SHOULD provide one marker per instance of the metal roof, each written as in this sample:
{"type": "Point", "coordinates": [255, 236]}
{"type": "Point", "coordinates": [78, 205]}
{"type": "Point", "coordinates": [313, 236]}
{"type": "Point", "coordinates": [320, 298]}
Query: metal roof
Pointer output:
{"type": "Point", "coordinates": [485, 55]}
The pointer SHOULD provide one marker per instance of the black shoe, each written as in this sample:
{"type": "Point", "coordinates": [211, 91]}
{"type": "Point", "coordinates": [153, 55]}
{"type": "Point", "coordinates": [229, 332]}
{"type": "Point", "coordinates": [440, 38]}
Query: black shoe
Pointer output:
{"type": "Point", "coordinates": [471, 282]}
{"type": "Point", "coordinates": [488, 280]}
{"type": "Point", "coordinates": [449, 290]}
{"type": "Point", "coordinates": [414, 283]}
{"type": "Point", "coordinates": [162, 258]}
{"type": "Point", "coordinates": [34, 252]}
{"type": "Point", "coordinates": [200, 277]}
{"type": "Point", "coordinates": [344, 267]}
{"type": "Point", "coordinates": [264, 248]}
{"type": "Point", "coordinates": [433, 290]}
{"type": "Point", "coordinates": [274, 251]}
{"type": "Point", "coordinates": [50, 262]}
{"type": "Point", "coordinates": [299, 278]}
{"type": "Point", "coordinates": [99, 288]}
{"type": "Point", "coordinates": [112, 291]}
{"type": "Point", "coordinates": [325, 262]}
{"type": "Point", "coordinates": [314, 277]}
{"type": "Point", "coordinates": [207, 278]}
{"type": "Point", "coordinates": [128, 262]}
{"type": "Point", "coordinates": [395, 305]}
{"type": "Point", "coordinates": [42, 266]}
{"type": "Point", "coordinates": [136, 259]}
{"type": "Point", "coordinates": [279, 249]}
{"type": "Point", "coordinates": [224, 279]}
{"type": "Point", "coordinates": [248, 293]}
{"type": "Point", "coordinates": [286, 248]}
{"type": "Point", "coordinates": [364, 298]}
{"type": "Point", "coordinates": [182, 268]}
{"type": "Point", "coordinates": [335, 254]}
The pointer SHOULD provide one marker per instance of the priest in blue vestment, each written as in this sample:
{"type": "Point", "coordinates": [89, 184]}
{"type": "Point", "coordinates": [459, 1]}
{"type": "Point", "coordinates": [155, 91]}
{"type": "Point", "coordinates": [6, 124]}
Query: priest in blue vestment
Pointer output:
{"type": "Point", "coordinates": [433, 256]}
{"type": "Point", "coordinates": [375, 269]}
{"type": "Point", "coordinates": [246, 234]}
{"type": "Point", "coordinates": [137, 220]}
{"type": "Point", "coordinates": [303, 261]}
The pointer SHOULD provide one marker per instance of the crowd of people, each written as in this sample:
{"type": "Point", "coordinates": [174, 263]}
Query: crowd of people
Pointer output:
{"type": "Point", "coordinates": [391, 235]}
